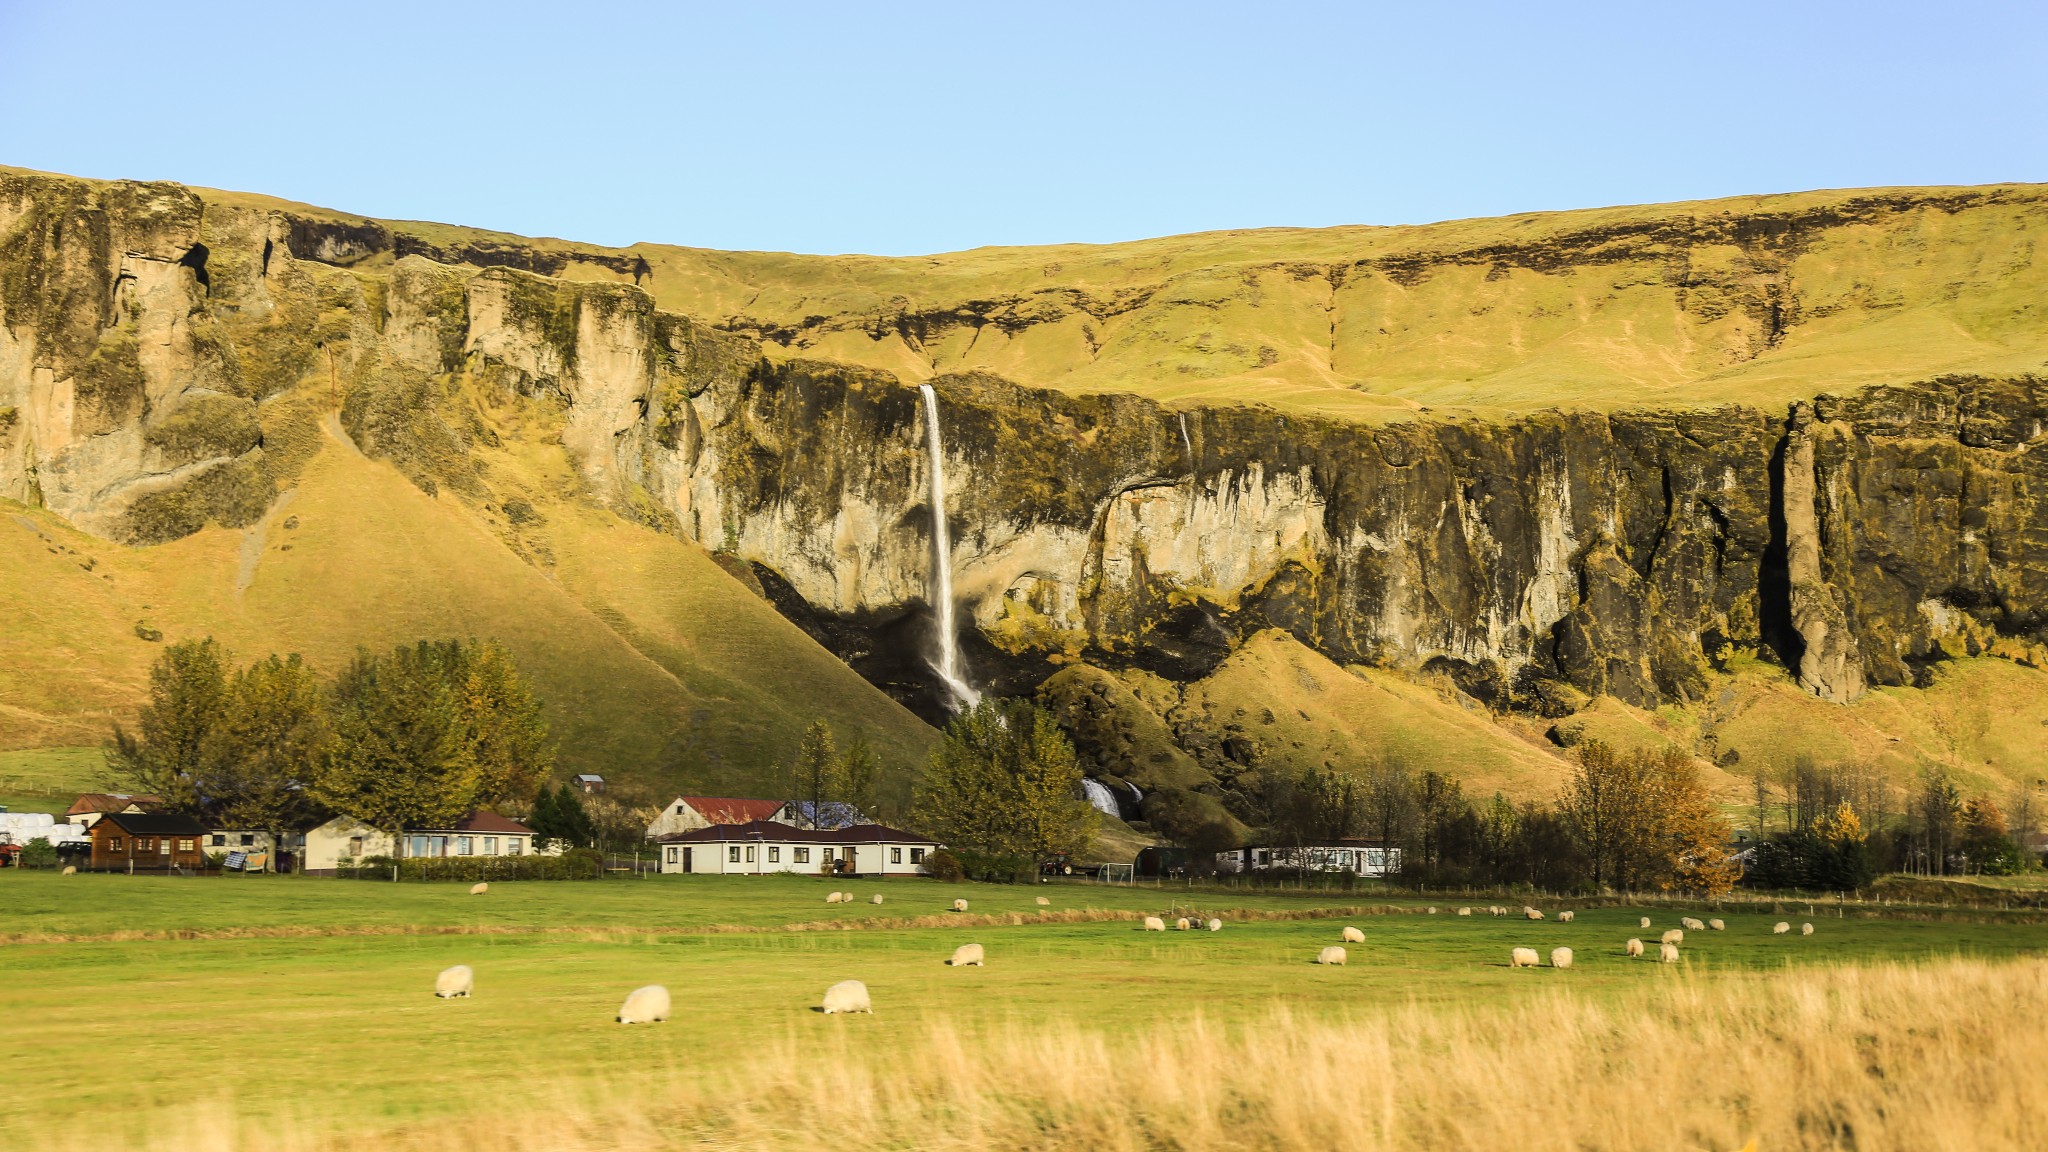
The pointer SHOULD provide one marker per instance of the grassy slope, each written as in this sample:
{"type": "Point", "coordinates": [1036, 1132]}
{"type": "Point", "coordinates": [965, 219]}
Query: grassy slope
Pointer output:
{"type": "Point", "coordinates": [1257, 316]}
{"type": "Point", "coordinates": [656, 665]}
{"type": "Point", "coordinates": [345, 1024]}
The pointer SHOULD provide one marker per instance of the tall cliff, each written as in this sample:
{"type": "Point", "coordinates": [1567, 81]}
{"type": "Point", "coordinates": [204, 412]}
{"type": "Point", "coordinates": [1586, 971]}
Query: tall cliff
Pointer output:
{"type": "Point", "coordinates": [167, 355]}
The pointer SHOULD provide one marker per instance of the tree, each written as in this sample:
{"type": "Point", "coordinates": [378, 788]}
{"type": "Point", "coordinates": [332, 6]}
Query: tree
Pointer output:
{"type": "Point", "coordinates": [267, 746]}
{"type": "Point", "coordinates": [1390, 805]}
{"type": "Point", "coordinates": [166, 755]}
{"type": "Point", "coordinates": [1940, 806]}
{"type": "Point", "coordinates": [1690, 844]}
{"type": "Point", "coordinates": [860, 775]}
{"type": "Point", "coordinates": [500, 721]}
{"type": "Point", "coordinates": [399, 757]}
{"type": "Point", "coordinates": [560, 818]}
{"type": "Point", "coordinates": [1314, 806]}
{"type": "Point", "coordinates": [1985, 841]}
{"type": "Point", "coordinates": [1004, 782]}
{"type": "Point", "coordinates": [1607, 805]}
{"type": "Point", "coordinates": [817, 765]}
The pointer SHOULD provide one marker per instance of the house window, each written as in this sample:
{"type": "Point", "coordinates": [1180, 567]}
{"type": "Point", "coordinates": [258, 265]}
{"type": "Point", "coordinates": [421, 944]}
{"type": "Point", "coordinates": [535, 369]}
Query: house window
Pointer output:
{"type": "Point", "coordinates": [750, 853]}
{"type": "Point", "coordinates": [355, 845]}
{"type": "Point", "coordinates": [463, 846]}
{"type": "Point", "coordinates": [803, 855]}
{"type": "Point", "coordinates": [917, 855]}
{"type": "Point", "coordinates": [514, 845]}
{"type": "Point", "coordinates": [825, 856]}
{"type": "Point", "coordinates": [114, 843]}
{"type": "Point", "coordinates": [163, 846]}
{"type": "Point", "coordinates": [1265, 857]}
{"type": "Point", "coordinates": [671, 854]}
{"type": "Point", "coordinates": [732, 854]}
{"type": "Point", "coordinates": [186, 844]}
{"type": "Point", "coordinates": [775, 854]}
{"type": "Point", "coordinates": [490, 845]}
{"type": "Point", "coordinates": [895, 855]}
{"type": "Point", "coordinates": [219, 840]}
{"type": "Point", "coordinates": [248, 839]}
{"type": "Point", "coordinates": [680, 808]}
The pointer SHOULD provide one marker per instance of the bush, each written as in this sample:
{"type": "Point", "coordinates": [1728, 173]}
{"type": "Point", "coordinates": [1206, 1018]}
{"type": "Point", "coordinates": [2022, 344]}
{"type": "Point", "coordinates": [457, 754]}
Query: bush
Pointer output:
{"type": "Point", "coordinates": [943, 865]}
{"type": "Point", "coordinates": [38, 853]}
{"type": "Point", "coordinates": [996, 868]}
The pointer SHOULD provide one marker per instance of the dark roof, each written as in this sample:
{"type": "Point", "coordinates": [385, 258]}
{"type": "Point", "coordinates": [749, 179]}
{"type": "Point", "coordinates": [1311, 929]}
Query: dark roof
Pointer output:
{"type": "Point", "coordinates": [732, 809]}
{"type": "Point", "coordinates": [110, 802]}
{"type": "Point", "coordinates": [155, 824]}
{"type": "Point", "coordinates": [784, 833]}
{"type": "Point", "coordinates": [484, 820]}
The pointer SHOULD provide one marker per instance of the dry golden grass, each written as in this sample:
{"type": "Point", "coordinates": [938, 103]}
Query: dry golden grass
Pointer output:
{"type": "Point", "coordinates": [1934, 1056]}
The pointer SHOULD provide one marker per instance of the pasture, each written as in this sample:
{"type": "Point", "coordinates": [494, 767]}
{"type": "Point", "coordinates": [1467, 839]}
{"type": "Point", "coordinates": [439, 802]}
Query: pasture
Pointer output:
{"type": "Point", "coordinates": [307, 1002]}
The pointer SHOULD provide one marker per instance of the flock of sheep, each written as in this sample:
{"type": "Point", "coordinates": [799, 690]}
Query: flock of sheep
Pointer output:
{"type": "Point", "coordinates": [650, 1005]}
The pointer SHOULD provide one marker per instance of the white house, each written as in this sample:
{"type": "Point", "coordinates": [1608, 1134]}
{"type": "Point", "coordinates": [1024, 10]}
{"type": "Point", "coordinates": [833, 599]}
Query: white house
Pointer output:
{"type": "Point", "coordinates": [1362, 857]}
{"type": "Point", "coordinates": [689, 813]}
{"type": "Point", "coordinates": [346, 841]}
{"type": "Point", "coordinates": [759, 847]}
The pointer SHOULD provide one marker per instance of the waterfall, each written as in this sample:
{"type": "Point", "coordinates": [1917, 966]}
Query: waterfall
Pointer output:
{"type": "Point", "coordinates": [1101, 797]}
{"type": "Point", "coordinates": [947, 664]}
{"type": "Point", "coordinates": [1185, 442]}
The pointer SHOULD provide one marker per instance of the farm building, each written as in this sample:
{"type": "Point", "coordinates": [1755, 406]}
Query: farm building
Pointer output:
{"type": "Point", "coordinates": [91, 806]}
{"type": "Point", "coordinates": [133, 841]}
{"type": "Point", "coordinates": [759, 847]}
{"type": "Point", "coordinates": [1361, 857]}
{"type": "Point", "coordinates": [258, 850]}
{"type": "Point", "coordinates": [590, 784]}
{"type": "Point", "coordinates": [689, 813]}
{"type": "Point", "coordinates": [347, 840]}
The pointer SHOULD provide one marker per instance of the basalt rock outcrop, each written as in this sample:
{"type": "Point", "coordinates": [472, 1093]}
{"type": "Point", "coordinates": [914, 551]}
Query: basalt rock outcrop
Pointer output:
{"type": "Point", "coordinates": [161, 360]}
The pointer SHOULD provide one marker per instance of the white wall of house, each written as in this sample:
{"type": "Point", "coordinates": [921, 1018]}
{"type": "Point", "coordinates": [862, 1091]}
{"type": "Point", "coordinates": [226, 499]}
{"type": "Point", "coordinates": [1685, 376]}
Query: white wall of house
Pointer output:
{"type": "Point", "coordinates": [749, 858]}
{"type": "Point", "coordinates": [343, 842]}
{"type": "Point", "coordinates": [434, 844]}
{"type": "Point", "coordinates": [1362, 861]}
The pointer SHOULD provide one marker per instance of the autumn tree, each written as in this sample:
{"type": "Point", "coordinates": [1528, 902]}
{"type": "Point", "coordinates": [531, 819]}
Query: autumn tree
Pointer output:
{"type": "Point", "coordinates": [1607, 804]}
{"type": "Point", "coordinates": [166, 755]}
{"type": "Point", "coordinates": [267, 746]}
{"type": "Point", "coordinates": [860, 776]}
{"type": "Point", "coordinates": [1004, 781]}
{"type": "Point", "coordinates": [1688, 845]}
{"type": "Point", "coordinates": [1314, 806]}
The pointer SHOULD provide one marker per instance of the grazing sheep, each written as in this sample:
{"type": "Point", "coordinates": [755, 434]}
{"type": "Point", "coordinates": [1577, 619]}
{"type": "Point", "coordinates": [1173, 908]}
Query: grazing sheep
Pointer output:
{"type": "Point", "coordinates": [847, 897]}
{"type": "Point", "coordinates": [1154, 924]}
{"type": "Point", "coordinates": [968, 954]}
{"type": "Point", "coordinates": [1331, 955]}
{"type": "Point", "coordinates": [1691, 925]}
{"type": "Point", "coordinates": [1564, 917]}
{"type": "Point", "coordinates": [1353, 935]}
{"type": "Point", "coordinates": [453, 982]}
{"type": "Point", "coordinates": [959, 905]}
{"type": "Point", "coordinates": [1780, 928]}
{"type": "Point", "coordinates": [1717, 925]}
{"type": "Point", "coordinates": [848, 996]}
{"type": "Point", "coordinates": [1464, 911]}
{"type": "Point", "coordinates": [1635, 947]}
{"type": "Point", "coordinates": [1560, 957]}
{"type": "Point", "coordinates": [1533, 913]}
{"type": "Point", "coordinates": [1643, 923]}
{"type": "Point", "coordinates": [647, 1005]}
{"type": "Point", "coordinates": [1674, 936]}
{"type": "Point", "coordinates": [1215, 925]}
{"type": "Point", "coordinates": [1667, 953]}
{"type": "Point", "coordinates": [1523, 958]}
{"type": "Point", "coordinates": [875, 899]}
{"type": "Point", "coordinates": [479, 889]}
{"type": "Point", "coordinates": [1180, 925]}
{"type": "Point", "coordinates": [1044, 903]}
{"type": "Point", "coordinates": [70, 870]}
{"type": "Point", "coordinates": [1432, 910]}
{"type": "Point", "coordinates": [831, 897]}
{"type": "Point", "coordinates": [1806, 929]}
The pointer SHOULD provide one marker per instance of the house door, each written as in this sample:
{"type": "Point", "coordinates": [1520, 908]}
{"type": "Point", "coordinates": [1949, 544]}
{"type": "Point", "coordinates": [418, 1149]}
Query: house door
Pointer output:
{"type": "Point", "coordinates": [686, 858]}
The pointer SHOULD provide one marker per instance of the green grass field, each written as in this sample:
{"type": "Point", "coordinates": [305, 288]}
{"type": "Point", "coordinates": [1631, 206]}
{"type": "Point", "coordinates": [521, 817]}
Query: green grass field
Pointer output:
{"type": "Point", "coordinates": [302, 994]}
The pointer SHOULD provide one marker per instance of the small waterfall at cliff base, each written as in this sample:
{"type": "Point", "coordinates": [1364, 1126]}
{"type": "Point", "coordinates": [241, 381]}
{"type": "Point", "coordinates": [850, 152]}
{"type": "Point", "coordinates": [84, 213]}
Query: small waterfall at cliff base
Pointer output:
{"type": "Point", "coordinates": [946, 661]}
{"type": "Point", "coordinates": [1101, 797]}
{"type": "Point", "coordinates": [1185, 443]}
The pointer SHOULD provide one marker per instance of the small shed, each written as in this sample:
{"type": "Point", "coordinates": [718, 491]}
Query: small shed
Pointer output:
{"type": "Point", "coordinates": [158, 841]}
{"type": "Point", "coordinates": [590, 784]}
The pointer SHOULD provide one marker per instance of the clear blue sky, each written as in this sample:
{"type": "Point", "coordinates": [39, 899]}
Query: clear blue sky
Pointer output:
{"type": "Point", "coordinates": [930, 127]}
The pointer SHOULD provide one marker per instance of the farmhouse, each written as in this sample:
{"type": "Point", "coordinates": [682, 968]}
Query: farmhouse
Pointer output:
{"type": "Point", "coordinates": [257, 850]}
{"type": "Point", "coordinates": [347, 841]}
{"type": "Point", "coordinates": [123, 841]}
{"type": "Point", "coordinates": [88, 808]}
{"type": "Point", "coordinates": [1357, 856]}
{"type": "Point", "coordinates": [759, 847]}
{"type": "Point", "coordinates": [689, 813]}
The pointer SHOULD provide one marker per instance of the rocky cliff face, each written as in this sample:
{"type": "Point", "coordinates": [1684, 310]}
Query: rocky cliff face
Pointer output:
{"type": "Point", "coordinates": [161, 360]}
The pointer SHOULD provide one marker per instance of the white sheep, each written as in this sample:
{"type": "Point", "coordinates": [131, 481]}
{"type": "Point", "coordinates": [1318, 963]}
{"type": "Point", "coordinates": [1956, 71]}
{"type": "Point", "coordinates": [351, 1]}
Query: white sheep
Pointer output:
{"type": "Point", "coordinates": [1523, 958]}
{"type": "Point", "coordinates": [647, 1005]}
{"type": "Point", "coordinates": [875, 899]}
{"type": "Point", "coordinates": [1154, 924]}
{"type": "Point", "coordinates": [1181, 925]}
{"type": "Point", "coordinates": [453, 982]}
{"type": "Point", "coordinates": [1432, 910]}
{"type": "Point", "coordinates": [1564, 917]}
{"type": "Point", "coordinates": [968, 954]}
{"type": "Point", "coordinates": [847, 897]}
{"type": "Point", "coordinates": [1353, 936]}
{"type": "Point", "coordinates": [1464, 911]}
{"type": "Point", "coordinates": [1667, 953]}
{"type": "Point", "coordinates": [70, 870]}
{"type": "Point", "coordinates": [1691, 925]}
{"type": "Point", "coordinates": [848, 996]}
{"type": "Point", "coordinates": [479, 889]}
{"type": "Point", "coordinates": [831, 897]}
{"type": "Point", "coordinates": [1331, 955]}
{"type": "Point", "coordinates": [959, 905]}
{"type": "Point", "coordinates": [1674, 936]}
{"type": "Point", "coordinates": [1560, 957]}
{"type": "Point", "coordinates": [1635, 947]}
{"type": "Point", "coordinates": [1717, 925]}
{"type": "Point", "coordinates": [1780, 928]}
{"type": "Point", "coordinates": [1044, 903]}
{"type": "Point", "coordinates": [1215, 925]}
{"type": "Point", "coordinates": [1533, 913]}
{"type": "Point", "coordinates": [1643, 923]}
{"type": "Point", "coordinates": [1806, 929]}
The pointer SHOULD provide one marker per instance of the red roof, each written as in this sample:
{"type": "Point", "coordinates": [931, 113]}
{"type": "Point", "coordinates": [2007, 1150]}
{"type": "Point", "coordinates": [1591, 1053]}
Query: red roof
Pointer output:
{"type": "Point", "coordinates": [731, 810]}
{"type": "Point", "coordinates": [482, 820]}
{"type": "Point", "coordinates": [110, 802]}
